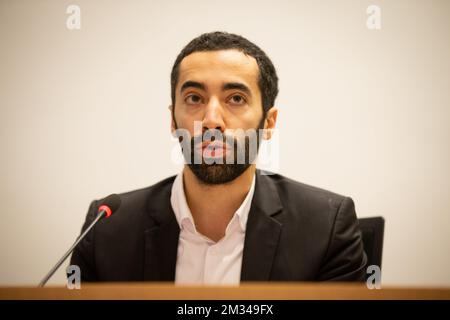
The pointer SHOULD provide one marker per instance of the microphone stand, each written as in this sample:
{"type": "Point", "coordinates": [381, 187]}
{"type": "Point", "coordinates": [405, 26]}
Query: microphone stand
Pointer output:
{"type": "Point", "coordinates": [64, 257]}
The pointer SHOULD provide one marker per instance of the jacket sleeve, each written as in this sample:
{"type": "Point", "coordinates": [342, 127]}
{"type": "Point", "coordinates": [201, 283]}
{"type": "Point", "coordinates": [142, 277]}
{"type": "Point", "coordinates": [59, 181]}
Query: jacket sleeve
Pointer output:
{"type": "Point", "coordinates": [345, 259]}
{"type": "Point", "coordinates": [83, 255]}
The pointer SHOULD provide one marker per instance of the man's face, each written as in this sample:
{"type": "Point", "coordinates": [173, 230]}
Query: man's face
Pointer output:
{"type": "Point", "coordinates": [219, 90]}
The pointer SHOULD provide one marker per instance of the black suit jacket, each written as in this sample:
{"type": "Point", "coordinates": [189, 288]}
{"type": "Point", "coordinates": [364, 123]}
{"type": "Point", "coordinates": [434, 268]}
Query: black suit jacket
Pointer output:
{"type": "Point", "coordinates": [295, 232]}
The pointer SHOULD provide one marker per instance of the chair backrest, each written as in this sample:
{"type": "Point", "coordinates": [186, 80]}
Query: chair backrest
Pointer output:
{"type": "Point", "coordinates": [372, 233]}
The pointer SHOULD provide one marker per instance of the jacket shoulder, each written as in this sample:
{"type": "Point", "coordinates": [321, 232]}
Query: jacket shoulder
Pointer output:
{"type": "Point", "coordinates": [301, 194]}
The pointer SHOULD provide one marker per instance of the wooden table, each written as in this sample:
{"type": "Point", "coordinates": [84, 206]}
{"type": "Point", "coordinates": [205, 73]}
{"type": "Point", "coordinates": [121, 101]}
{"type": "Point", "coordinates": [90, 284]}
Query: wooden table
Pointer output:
{"type": "Point", "coordinates": [246, 291]}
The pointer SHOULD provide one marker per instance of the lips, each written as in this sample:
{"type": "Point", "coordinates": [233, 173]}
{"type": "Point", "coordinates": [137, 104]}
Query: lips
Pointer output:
{"type": "Point", "coordinates": [213, 145]}
{"type": "Point", "coordinates": [213, 149]}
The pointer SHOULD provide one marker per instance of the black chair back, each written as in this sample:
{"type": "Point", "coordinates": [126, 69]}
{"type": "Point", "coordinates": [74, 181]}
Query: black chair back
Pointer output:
{"type": "Point", "coordinates": [372, 233]}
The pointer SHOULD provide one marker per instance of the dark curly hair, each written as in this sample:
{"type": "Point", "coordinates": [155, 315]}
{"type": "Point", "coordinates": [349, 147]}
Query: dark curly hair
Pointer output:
{"type": "Point", "coordinates": [268, 80]}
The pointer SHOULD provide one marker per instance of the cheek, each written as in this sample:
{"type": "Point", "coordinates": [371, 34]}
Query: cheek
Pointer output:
{"type": "Point", "coordinates": [249, 120]}
{"type": "Point", "coordinates": [185, 122]}
{"type": "Point", "coordinates": [181, 117]}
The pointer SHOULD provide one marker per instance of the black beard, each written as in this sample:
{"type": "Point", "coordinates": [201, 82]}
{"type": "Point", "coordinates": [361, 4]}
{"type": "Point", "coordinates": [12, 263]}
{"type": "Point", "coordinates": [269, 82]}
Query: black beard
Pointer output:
{"type": "Point", "coordinates": [220, 173]}
{"type": "Point", "coordinates": [213, 174]}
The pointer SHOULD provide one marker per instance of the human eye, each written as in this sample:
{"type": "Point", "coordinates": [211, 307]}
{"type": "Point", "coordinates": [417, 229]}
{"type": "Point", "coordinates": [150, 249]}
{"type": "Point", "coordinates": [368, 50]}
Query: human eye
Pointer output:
{"type": "Point", "coordinates": [237, 99]}
{"type": "Point", "coordinates": [193, 99]}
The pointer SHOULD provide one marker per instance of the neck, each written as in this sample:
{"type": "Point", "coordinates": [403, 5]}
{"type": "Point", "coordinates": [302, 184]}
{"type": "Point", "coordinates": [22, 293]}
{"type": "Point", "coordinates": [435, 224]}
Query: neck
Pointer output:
{"type": "Point", "coordinates": [213, 206]}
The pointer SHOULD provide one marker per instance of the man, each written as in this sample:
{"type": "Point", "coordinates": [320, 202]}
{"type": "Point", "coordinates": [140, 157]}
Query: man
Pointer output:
{"type": "Point", "coordinates": [223, 222]}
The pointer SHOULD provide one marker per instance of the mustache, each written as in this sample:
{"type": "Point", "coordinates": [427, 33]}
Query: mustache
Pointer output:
{"type": "Point", "coordinates": [226, 143]}
{"type": "Point", "coordinates": [239, 148]}
{"type": "Point", "coordinates": [214, 135]}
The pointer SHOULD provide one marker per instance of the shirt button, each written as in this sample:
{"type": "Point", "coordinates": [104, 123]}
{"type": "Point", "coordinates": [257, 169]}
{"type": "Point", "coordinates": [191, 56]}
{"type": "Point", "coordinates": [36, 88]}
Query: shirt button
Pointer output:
{"type": "Point", "coordinates": [213, 250]}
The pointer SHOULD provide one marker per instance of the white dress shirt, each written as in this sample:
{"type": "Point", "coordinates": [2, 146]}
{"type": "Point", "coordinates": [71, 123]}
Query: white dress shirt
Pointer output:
{"type": "Point", "coordinates": [201, 260]}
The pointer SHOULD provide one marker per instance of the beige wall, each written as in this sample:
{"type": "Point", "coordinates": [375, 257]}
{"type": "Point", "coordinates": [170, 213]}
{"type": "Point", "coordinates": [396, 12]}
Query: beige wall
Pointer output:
{"type": "Point", "coordinates": [364, 113]}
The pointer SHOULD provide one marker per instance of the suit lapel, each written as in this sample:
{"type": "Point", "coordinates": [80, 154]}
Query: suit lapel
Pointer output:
{"type": "Point", "coordinates": [261, 238]}
{"type": "Point", "coordinates": [262, 232]}
{"type": "Point", "coordinates": [161, 240]}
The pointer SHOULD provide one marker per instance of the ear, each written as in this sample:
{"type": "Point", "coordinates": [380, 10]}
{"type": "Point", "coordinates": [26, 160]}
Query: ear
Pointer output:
{"type": "Point", "coordinates": [172, 120]}
{"type": "Point", "coordinates": [270, 122]}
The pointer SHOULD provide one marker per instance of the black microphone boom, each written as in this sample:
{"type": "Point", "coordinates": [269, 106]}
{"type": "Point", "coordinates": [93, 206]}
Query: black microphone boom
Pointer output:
{"type": "Point", "coordinates": [108, 206]}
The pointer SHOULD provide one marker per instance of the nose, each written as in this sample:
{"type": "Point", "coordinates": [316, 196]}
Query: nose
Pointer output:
{"type": "Point", "coordinates": [213, 117]}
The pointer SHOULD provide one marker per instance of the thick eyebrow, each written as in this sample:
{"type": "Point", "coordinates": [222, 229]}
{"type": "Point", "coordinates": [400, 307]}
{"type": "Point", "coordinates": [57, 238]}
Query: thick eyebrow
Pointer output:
{"type": "Point", "coordinates": [226, 86]}
{"type": "Point", "coordinates": [192, 84]}
{"type": "Point", "coordinates": [238, 86]}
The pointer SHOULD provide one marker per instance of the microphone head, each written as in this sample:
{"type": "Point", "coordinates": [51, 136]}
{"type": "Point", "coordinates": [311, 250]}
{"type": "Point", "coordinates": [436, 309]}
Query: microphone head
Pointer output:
{"type": "Point", "coordinates": [110, 204]}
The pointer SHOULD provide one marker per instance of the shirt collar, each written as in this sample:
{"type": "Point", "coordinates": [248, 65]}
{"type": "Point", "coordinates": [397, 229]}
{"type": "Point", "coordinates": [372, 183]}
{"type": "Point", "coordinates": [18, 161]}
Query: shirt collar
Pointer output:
{"type": "Point", "coordinates": [183, 214]}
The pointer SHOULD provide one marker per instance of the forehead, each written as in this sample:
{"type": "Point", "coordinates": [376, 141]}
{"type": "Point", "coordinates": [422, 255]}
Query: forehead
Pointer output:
{"type": "Point", "coordinates": [218, 67]}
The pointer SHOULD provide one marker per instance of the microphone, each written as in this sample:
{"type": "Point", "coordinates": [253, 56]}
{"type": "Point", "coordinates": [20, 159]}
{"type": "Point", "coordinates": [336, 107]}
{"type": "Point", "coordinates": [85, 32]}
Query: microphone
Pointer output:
{"type": "Point", "coordinates": [108, 206]}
